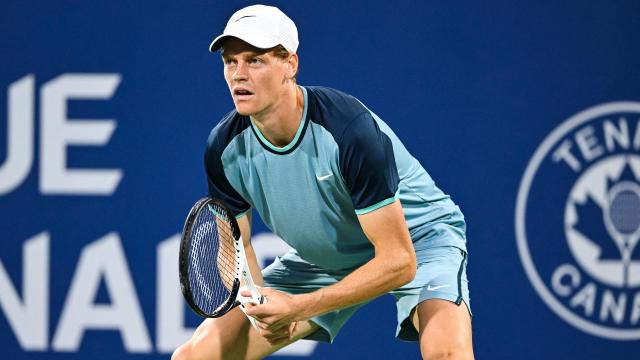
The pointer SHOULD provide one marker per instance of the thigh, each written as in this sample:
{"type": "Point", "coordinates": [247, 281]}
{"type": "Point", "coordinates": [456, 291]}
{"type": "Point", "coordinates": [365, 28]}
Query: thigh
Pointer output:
{"type": "Point", "coordinates": [444, 328]}
{"type": "Point", "coordinates": [232, 337]}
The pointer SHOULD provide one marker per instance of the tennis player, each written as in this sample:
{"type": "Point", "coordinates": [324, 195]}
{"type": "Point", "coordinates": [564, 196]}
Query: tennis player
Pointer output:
{"type": "Point", "coordinates": [329, 177]}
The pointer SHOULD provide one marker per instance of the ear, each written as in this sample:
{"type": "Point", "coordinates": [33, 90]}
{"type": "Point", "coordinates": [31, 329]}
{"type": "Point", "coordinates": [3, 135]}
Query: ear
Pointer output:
{"type": "Point", "coordinates": [292, 66]}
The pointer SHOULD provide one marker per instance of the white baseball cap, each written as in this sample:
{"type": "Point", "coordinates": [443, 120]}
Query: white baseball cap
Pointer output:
{"type": "Point", "coordinates": [261, 26]}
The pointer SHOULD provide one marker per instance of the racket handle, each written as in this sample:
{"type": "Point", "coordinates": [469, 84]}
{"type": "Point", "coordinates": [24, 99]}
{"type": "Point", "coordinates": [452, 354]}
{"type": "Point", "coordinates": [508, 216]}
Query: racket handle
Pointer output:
{"type": "Point", "coordinates": [255, 299]}
{"type": "Point", "coordinates": [251, 301]}
{"type": "Point", "coordinates": [252, 321]}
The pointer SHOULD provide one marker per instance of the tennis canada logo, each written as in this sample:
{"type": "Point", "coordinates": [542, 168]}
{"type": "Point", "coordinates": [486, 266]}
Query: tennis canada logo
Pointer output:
{"type": "Point", "coordinates": [578, 220]}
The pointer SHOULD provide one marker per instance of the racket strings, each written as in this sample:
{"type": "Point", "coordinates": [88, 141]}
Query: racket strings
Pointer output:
{"type": "Point", "coordinates": [226, 260]}
{"type": "Point", "coordinates": [212, 259]}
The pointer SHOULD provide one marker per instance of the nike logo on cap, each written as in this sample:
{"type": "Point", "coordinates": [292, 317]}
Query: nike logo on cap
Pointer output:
{"type": "Point", "coordinates": [242, 17]}
{"type": "Point", "coordinates": [323, 177]}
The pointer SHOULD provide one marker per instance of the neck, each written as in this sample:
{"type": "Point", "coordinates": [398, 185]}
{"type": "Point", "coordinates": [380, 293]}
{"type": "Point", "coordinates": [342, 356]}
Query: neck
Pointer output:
{"type": "Point", "coordinates": [280, 122]}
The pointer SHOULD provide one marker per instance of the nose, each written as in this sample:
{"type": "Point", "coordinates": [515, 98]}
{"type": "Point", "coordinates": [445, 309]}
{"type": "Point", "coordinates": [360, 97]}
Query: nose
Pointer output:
{"type": "Point", "coordinates": [240, 73]}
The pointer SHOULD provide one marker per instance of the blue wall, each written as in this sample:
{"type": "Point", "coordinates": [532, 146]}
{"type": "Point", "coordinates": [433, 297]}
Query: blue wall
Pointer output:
{"type": "Point", "coordinates": [526, 113]}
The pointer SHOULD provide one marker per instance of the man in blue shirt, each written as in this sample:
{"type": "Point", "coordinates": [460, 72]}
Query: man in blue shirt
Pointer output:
{"type": "Point", "coordinates": [329, 177]}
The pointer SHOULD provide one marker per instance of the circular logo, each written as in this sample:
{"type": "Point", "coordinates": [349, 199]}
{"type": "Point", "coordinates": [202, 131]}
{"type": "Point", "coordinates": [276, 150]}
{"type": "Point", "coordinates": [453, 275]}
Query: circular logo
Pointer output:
{"type": "Point", "coordinates": [578, 220]}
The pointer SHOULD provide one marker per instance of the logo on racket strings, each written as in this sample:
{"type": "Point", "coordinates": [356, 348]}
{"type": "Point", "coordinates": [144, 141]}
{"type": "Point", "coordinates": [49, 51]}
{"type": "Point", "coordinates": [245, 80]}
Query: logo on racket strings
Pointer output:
{"type": "Point", "coordinates": [578, 220]}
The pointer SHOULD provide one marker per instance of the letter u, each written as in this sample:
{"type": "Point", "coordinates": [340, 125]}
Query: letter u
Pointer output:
{"type": "Point", "coordinates": [19, 134]}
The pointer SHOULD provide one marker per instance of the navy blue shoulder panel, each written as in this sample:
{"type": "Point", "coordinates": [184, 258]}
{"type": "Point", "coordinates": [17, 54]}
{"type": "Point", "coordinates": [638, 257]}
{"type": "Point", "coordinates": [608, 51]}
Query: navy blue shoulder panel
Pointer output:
{"type": "Point", "coordinates": [367, 162]}
{"type": "Point", "coordinates": [332, 109]}
{"type": "Point", "coordinates": [219, 187]}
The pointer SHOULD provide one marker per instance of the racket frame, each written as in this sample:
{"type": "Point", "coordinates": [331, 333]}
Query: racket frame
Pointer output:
{"type": "Point", "coordinates": [242, 268]}
{"type": "Point", "coordinates": [183, 263]}
{"type": "Point", "coordinates": [249, 285]}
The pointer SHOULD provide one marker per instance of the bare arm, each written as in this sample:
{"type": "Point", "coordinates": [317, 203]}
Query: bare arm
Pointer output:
{"type": "Point", "coordinates": [393, 265]}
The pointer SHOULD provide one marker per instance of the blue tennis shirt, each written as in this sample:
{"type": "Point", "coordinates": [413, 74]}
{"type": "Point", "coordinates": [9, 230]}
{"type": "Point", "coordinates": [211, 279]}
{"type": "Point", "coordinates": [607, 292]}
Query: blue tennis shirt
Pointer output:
{"type": "Point", "coordinates": [343, 161]}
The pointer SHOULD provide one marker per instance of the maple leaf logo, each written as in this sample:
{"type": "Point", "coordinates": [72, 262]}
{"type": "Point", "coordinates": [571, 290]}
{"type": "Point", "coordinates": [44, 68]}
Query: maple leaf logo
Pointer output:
{"type": "Point", "coordinates": [591, 225]}
{"type": "Point", "coordinates": [615, 226]}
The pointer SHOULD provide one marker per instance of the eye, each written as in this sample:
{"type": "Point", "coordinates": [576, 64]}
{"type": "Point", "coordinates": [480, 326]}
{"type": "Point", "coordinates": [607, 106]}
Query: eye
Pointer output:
{"type": "Point", "coordinates": [228, 61]}
{"type": "Point", "coordinates": [255, 60]}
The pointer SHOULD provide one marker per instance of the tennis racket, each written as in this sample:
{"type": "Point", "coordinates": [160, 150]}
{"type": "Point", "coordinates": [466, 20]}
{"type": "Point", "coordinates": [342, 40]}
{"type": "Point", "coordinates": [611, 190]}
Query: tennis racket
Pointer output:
{"type": "Point", "coordinates": [212, 262]}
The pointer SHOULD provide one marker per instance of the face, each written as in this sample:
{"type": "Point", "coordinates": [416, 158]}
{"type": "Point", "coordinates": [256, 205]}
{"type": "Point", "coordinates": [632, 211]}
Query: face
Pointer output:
{"type": "Point", "coordinates": [256, 78]}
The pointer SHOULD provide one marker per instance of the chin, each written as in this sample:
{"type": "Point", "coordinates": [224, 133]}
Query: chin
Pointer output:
{"type": "Point", "coordinates": [245, 110]}
{"type": "Point", "coordinates": [243, 113]}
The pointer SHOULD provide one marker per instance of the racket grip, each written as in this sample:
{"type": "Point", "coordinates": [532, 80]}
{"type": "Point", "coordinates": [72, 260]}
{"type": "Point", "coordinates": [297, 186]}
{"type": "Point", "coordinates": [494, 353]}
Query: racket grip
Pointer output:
{"type": "Point", "coordinates": [256, 298]}
{"type": "Point", "coordinates": [252, 321]}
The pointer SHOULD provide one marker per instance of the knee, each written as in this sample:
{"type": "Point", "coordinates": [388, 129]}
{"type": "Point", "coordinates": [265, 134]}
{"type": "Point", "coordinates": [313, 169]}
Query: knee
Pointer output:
{"type": "Point", "coordinates": [438, 355]}
{"type": "Point", "coordinates": [449, 353]}
{"type": "Point", "coordinates": [449, 349]}
{"type": "Point", "coordinates": [196, 349]}
{"type": "Point", "coordinates": [182, 352]}
{"type": "Point", "coordinates": [214, 340]}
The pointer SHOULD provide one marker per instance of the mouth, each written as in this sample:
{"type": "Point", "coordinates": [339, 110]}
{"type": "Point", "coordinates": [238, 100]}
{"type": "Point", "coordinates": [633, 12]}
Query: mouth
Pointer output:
{"type": "Point", "coordinates": [242, 94]}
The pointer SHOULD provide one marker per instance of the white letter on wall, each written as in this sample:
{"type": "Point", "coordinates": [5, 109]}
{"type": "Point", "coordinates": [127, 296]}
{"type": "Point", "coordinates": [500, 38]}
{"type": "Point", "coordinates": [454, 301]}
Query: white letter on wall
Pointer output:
{"type": "Point", "coordinates": [103, 258]}
{"type": "Point", "coordinates": [29, 318]}
{"type": "Point", "coordinates": [170, 330]}
{"type": "Point", "coordinates": [57, 133]}
{"type": "Point", "coordinates": [19, 135]}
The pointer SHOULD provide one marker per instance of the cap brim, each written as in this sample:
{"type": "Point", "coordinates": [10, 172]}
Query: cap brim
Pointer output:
{"type": "Point", "coordinates": [257, 40]}
{"type": "Point", "coordinates": [217, 43]}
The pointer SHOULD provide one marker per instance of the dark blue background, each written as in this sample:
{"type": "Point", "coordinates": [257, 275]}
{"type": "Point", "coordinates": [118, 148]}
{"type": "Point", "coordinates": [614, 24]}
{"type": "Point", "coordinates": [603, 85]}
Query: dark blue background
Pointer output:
{"type": "Point", "coordinates": [472, 88]}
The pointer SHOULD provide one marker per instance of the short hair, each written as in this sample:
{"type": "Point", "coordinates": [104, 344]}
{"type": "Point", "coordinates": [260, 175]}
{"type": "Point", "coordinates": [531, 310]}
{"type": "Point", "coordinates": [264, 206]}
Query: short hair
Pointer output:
{"type": "Point", "coordinates": [282, 53]}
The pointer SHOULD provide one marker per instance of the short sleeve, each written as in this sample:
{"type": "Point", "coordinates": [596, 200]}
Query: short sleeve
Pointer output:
{"type": "Point", "coordinates": [368, 165]}
{"type": "Point", "coordinates": [218, 184]}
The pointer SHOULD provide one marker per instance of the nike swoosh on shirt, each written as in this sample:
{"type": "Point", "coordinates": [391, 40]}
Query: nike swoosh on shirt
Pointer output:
{"type": "Point", "coordinates": [323, 177]}
{"type": "Point", "coordinates": [434, 288]}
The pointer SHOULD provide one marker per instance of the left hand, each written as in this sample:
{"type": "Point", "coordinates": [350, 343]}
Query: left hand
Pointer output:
{"type": "Point", "coordinates": [277, 317]}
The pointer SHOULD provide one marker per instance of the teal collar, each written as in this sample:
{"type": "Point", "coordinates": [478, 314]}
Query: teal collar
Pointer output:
{"type": "Point", "coordinates": [296, 139]}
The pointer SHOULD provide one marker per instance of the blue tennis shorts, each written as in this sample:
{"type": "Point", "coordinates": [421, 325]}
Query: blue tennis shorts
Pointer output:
{"type": "Point", "coordinates": [441, 274]}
